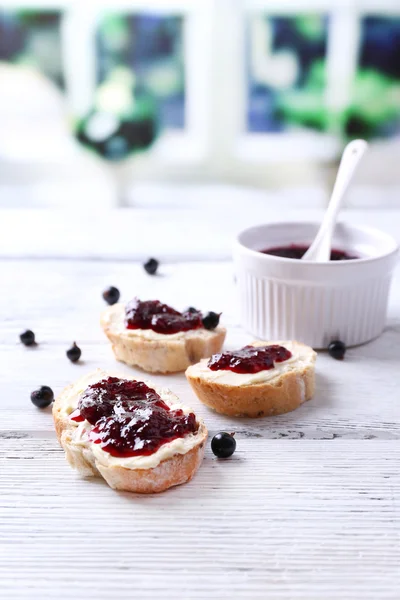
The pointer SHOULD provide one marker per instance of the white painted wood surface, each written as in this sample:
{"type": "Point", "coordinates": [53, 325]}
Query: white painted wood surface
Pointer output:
{"type": "Point", "coordinates": [181, 231]}
{"type": "Point", "coordinates": [307, 508]}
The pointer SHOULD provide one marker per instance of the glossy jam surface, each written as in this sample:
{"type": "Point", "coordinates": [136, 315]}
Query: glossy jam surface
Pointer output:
{"type": "Point", "coordinates": [249, 359]}
{"type": "Point", "coordinates": [159, 317]}
{"type": "Point", "coordinates": [298, 251]}
{"type": "Point", "coordinates": [129, 418]}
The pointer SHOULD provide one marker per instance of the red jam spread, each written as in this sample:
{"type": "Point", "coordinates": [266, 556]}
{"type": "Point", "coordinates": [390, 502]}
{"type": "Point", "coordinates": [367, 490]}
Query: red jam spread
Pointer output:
{"type": "Point", "coordinates": [159, 317]}
{"type": "Point", "coordinates": [129, 418]}
{"type": "Point", "coordinates": [298, 251]}
{"type": "Point", "coordinates": [250, 359]}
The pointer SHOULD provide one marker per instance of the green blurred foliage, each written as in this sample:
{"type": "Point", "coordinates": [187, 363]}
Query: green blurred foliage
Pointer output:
{"type": "Point", "coordinates": [375, 104]}
{"type": "Point", "coordinates": [311, 27]}
{"type": "Point", "coordinates": [305, 106]}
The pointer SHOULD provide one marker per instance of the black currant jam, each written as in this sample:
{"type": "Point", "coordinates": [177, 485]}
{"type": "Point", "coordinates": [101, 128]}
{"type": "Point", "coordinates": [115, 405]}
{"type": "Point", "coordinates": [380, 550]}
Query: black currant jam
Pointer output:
{"type": "Point", "coordinates": [129, 418]}
{"type": "Point", "coordinates": [250, 359]}
{"type": "Point", "coordinates": [298, 251]}
{"type": "Point", "coordinates": [160, 318]}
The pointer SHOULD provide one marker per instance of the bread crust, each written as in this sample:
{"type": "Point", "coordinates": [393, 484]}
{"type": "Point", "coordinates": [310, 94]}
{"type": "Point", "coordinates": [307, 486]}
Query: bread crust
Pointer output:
{"type": "Point", "coordinates": [175, 470]}
{"type": "Point", "coordinates": [161, 355]}
{"type": "Point", "coordinates": [286, 393]}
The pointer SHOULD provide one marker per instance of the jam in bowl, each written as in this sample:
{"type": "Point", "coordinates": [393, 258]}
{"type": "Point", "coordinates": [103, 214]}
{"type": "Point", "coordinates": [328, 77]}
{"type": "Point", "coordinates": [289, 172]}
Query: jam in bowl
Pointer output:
{"type": "Point", "coordinates": [297, 251]}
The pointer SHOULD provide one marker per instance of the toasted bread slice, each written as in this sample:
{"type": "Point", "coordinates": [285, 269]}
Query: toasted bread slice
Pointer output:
{"type": "Point", "coordinates": [174, 463]}
{"type": "Point", "coordinates": [155, 352]}
{"type": "Point", "coordinates": [266, 393]}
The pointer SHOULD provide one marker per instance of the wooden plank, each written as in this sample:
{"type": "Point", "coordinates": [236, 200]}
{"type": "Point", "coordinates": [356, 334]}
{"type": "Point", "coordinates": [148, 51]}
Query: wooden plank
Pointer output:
{"type": "Point", "coordinates": [281, 519]}
{"type": "Point", "coordinates": [178, 232]}
{"type": "Point", "coordinates": [63, 301]}
{"type": "Point", "coordinates": [347, 403]}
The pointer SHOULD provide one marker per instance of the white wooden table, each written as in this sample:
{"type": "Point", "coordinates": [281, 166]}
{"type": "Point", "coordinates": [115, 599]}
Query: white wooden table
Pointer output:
{"type": "Point", "coordinates": [308, 507]}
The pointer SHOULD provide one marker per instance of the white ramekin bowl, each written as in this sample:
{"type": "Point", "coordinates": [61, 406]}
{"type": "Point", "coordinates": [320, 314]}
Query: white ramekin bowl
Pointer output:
{"type": "Point", "coordinates": [314, 303]}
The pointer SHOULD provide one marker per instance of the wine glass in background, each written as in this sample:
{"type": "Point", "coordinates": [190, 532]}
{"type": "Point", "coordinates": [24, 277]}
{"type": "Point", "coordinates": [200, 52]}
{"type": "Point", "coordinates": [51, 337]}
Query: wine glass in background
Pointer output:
{"type": "Point", "coordinates": [122, 123]}
{"type": "Point", "coordinates": [123, 119]}
{"type": "Point", "coordinates": [139, 92]}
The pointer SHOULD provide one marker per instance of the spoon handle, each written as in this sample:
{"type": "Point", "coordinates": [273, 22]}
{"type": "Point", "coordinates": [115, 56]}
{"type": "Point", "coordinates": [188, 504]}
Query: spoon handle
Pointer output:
{"type": "Point", "coordinates": [350, 159]}
{"type": "Point", "coordinates": [321, 246]}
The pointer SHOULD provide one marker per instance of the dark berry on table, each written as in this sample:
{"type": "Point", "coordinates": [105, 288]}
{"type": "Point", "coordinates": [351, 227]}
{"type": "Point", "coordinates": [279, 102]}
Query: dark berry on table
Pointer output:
{"type": "Point", "coordinates": [42, 397]}
{"type": "Point", "coordinates": [211, 320]}
{"type": "Point", "coordinates": [151, 266]}
{"type": "Point", "coordinates": [223, 444]}
{"type": "Point", "coordinates": [191, 310]}
{"type": "Point", "coordinates": [27, 338]}
{"type": "Point", "coordinates": [337, 349]}
{"type": "Point", "coordinates": [111, 295]}
{"type": "Point", "coordinates": [74, 353]}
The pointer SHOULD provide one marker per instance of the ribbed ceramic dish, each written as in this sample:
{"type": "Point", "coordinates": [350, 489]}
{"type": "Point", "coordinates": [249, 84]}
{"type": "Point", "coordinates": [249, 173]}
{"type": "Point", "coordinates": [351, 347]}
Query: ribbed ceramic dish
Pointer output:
{"type": "Point", "coordinates": [314, 303]}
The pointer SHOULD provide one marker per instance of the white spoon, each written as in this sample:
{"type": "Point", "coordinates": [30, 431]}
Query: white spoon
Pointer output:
{"type": "Point", "coordinates": [320, 249]}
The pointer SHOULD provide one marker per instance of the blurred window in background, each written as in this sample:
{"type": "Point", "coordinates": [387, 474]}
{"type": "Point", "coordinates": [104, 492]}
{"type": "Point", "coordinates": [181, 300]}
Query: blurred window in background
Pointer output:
{"type": "Point", "coordinates": [33, 118]}
{"type": "Point", "coordinates": [32, 38]}
{"type": "Point", "coordinates": [374, 111]}
{"type": "Point", "coordinates": [286, 58]}
{"type": "Point", "coordinates": [40, 162]}
{"type": "Point", "coordinates": [199, 89]}
{"type": "Point", "coordinates": [151, 48]}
